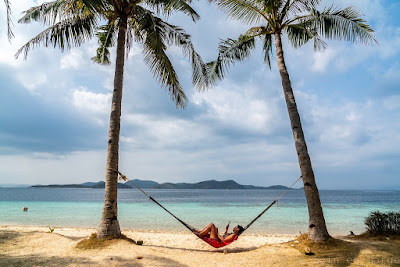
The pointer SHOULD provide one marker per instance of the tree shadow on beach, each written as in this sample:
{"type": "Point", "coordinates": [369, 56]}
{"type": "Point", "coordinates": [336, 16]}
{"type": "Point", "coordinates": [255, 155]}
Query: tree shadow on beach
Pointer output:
{"type": "Point", "coordinates": [348, 251]}
{"type": "Point", "coordinates": [56, 261]}
{"type": "Point", "coordinates": [221, 250]}
{"type": "Point", "coordinates": [7, 236]}
{"type": "Point", "coordinates": [143, 261]}
{"type": "Point", "coordinates": [35, 260]}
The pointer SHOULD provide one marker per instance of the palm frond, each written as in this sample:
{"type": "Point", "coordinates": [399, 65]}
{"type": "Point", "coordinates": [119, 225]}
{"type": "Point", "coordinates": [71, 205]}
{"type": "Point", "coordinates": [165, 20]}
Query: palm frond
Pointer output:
{"type": "Point", "coordinates": [10, 33]}
{"type": "Point", "coordinates": [98, 6]}
{"type": "Point", "coordinates": [174, 35]}
{"type": "Point", "coordinates": [345, 24]}
{"type": "Point", "coordinates": [267, 48]}
{"type": "Point", "coordinates": [295, 7]}
{"type": "Point", "coordinates": [150, 31]}
{"type": "Point", "coordinates": [250, 12]}
{"type": "Point", "coordinates": [299, 34]}
{"type": "Point", "coordinates": [230, 51]}
{"type": "Point", "coordinates": [51, 12]}
{"type": "Point", "coordinates": [106, 35]}
{"type": "Point", "coordinates": [167, 6]}
{"type": "Point", "coordinates": [64, 34]}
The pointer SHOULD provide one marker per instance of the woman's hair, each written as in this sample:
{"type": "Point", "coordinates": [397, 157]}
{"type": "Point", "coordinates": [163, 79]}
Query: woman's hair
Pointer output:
{"type": "Point", "coordinates": [241, 229]}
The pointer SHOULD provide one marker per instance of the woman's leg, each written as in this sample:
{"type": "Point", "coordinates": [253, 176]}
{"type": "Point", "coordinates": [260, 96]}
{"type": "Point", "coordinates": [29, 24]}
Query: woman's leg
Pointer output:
{"type": "Point", "coordinates": [214, 232]}
{"type": "Point", "coordinates": [205, 230]}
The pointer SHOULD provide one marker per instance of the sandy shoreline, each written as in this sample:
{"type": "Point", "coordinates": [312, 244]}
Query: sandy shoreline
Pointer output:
{"type": "Point", "coordinates": [173, 239]}
{"type": "Point", "coordinates": [24, 245]}
{"type": "Point", "coordinates": [35, 246]}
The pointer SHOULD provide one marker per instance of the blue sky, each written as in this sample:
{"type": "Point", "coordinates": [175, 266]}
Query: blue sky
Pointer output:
{"type": "Point", "coordinates": [54, 110]}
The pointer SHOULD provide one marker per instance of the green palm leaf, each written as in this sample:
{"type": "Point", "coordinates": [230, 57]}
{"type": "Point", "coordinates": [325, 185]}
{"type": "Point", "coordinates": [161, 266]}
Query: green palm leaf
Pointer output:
{"type": "Point", "coordinates": [267, 48]}
{"type": "Point", "coordinates": [300, 34]}
{"type": "Point", "coordinates": [96, 6]}
{"type": "Point", "coordinates": [293, 7]}
{"type": "Point", "coordinates": [51, 12]}
{"type": "Point", "coordinates": [106, 35]}
{"type": "Point", "coordinates": [248, 11]}
{"type": "Point", "coordinates": [344, 24]}
{"type": "Point", "coordinates": [152, 32]}
{"type": "Point", "coordinates": [168, 6]}
{"type": "Point", "coordinates": [230, 51]}
{"type": "Point", "coordinates": [65, 34]}
{"type": "Point", "coordinates": [174, 35]}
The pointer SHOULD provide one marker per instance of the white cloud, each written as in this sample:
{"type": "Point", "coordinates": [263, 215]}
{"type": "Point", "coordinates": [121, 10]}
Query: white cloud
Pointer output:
{"type": "Point", "coordinates": [32, 81]}
{"type": "Point", "coordinates": [349, 134]}
{"type": "Point", "coordinates": [22, 32]}
{"type": "Point", "coordinates": [240, 107]}
{"type": "Point", "coordinates": [73, 60]}
{"type": "Point", "coordinates": [345, 131]}
{"type": "Point", "coordinates": [95, 105]}
{"type": "Point", "coordinates": [46, 168]}
{"type": "Point", "coordinates": [159, 132]}
{"type": "Point", "coordinates": [322, 59]}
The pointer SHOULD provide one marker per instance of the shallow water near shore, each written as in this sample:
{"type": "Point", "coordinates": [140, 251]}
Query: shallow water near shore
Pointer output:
{"type": "Point", "coordinates": [344, 210]}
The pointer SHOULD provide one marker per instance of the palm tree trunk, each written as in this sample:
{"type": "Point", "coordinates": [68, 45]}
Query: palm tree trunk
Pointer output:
{"type": "Point", "coordinates": [316, 229]}
{"type": "Point", "coordinates": [109, 225]}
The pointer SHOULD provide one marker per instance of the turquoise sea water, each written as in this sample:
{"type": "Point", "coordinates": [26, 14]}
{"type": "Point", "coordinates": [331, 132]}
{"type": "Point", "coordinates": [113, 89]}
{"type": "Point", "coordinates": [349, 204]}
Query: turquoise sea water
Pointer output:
{"type": "Point", "coordinates": [344, 210]}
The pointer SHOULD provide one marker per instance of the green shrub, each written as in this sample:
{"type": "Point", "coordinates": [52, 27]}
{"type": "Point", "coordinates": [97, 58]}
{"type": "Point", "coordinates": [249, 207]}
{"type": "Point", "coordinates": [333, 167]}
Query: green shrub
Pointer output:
{"type": "Point", "coordinates": [379, 223]}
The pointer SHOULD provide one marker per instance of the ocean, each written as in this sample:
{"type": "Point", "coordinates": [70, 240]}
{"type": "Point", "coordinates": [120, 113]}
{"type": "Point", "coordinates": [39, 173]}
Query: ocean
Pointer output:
{"type": "Point", "coordinates": [58, 207]}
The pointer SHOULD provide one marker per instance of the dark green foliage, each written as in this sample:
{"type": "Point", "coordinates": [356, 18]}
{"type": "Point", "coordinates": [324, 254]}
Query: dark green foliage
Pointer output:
{"type": "Point", "coordinates": [383, 223]}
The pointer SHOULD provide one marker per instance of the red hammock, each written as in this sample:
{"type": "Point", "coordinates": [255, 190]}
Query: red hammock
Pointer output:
{"type": "Point", "coordinates": [216, 243]}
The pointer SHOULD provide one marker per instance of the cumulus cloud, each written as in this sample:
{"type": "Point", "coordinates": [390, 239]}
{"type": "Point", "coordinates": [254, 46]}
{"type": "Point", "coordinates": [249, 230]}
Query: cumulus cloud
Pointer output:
{"type": "Point", "coordinates": [96, 105]}
{"type": "Point", "coordinates": [322, 59]}
{"type": "Point", "coordinates": [348, 134]}
{"type": "Point", "coordinates": [238, 106]}
{"type": "Point", "coordinates": [154, 132]}
{"type": "Point", "coordinates": [72, 60]}
{"type": "Point", "coordinates": [32, 81]}
{"type": "Point", "coordinates": [238, 129]}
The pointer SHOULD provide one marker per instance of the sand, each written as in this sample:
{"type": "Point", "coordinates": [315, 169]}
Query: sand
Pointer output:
{"type": "Point", "coordinates": [35, 246]}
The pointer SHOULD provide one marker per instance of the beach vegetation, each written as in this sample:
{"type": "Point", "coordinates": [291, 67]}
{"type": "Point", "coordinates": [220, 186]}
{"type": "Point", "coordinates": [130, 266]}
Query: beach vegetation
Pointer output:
{"type": "Point", "coordinates": [93, 242]}
{"type": "Point", "coordinates": [332, 248]}
{"type": "Point", "coordinates": [51, 230]}
{"type": "Point", "coordinates": [300, 21]}
{"type": "Point", "coordinates": [361, 250]}
{"type": "Point", "coordinates": [119, 23]}
{"type": "Point", "coordinates": [379, 223]}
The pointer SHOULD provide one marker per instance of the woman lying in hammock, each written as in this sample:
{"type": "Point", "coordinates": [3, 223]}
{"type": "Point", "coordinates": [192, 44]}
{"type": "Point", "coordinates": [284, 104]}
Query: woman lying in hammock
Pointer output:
{"type": "Point", "coordinates": [210, 235]}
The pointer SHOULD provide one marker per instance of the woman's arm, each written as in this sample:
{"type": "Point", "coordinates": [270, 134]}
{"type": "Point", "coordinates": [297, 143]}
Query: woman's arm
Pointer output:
{"type": "Point", "coordinates": [229, 238]}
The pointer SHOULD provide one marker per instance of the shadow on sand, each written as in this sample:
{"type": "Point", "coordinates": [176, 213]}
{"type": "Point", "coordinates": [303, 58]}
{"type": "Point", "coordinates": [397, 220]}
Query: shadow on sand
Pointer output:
{"type": "Point", "coordinates": [348, 251]}
{"type": "Point", "coordinates": [221, 250]}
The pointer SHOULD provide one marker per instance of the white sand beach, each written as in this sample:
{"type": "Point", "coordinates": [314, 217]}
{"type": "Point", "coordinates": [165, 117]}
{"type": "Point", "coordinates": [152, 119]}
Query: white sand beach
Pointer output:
{"type": "Point", "coordinates": [35, 246]}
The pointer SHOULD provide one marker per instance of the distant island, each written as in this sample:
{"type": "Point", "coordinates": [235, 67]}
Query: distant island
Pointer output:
{"type": "Point", "coordinates": [146, 184]}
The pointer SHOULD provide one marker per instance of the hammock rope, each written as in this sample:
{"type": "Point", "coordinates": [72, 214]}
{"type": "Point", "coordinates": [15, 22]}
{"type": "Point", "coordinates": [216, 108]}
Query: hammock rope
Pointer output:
{"type": "Point", "coordinates": [270, 205]}
{"type": "Point", "coordinates": [188, 226]}
{"type": "Point", "coordinates": [123, 177]}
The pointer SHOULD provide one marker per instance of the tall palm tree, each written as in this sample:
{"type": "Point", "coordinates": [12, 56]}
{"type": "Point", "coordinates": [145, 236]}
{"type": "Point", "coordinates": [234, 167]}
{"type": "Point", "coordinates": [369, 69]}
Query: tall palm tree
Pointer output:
{"type": "Point", "coordinates": [10, 34]}
{"type": "Point", "coordinates": [301, 22]}
{"type": "Point", "coordinates": [72, 22]}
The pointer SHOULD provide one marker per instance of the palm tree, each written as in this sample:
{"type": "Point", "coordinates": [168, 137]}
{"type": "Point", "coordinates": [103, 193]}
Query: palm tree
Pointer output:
{"type": "Point", "coordinates": [10, 34]}
{"type": "Point", "coordinates": [301, 22]}
{"type": "Point", "coordinates": [72, 22]}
